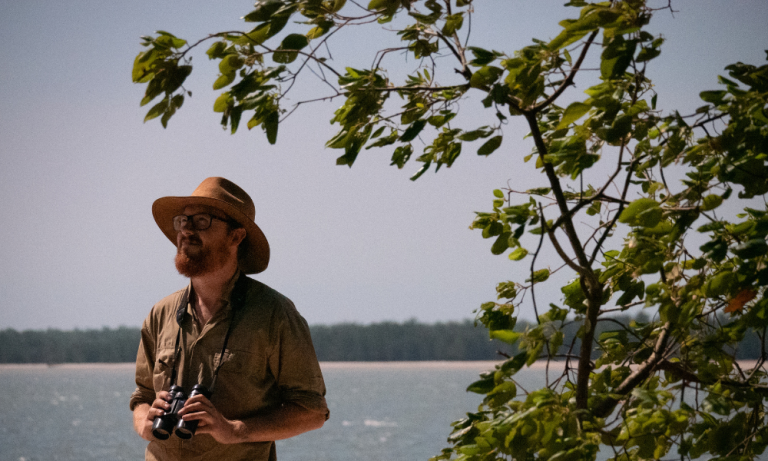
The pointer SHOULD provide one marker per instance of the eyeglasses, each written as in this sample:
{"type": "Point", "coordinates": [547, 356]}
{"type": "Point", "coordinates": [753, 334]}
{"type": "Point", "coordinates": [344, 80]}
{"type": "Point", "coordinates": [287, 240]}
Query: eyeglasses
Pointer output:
{"type": "Point", "coordinates": [200, 221]}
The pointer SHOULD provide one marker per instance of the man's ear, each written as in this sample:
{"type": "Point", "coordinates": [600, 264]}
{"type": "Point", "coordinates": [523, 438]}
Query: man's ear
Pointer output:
{"type": "Point", "coordinates": [238, 235]}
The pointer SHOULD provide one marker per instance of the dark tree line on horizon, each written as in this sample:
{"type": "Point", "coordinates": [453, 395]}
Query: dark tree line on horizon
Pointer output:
{"type": "Point", "coordinates": [385, 341]}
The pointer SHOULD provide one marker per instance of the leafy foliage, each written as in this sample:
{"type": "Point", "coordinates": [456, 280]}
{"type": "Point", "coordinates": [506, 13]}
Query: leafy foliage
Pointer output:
{"type": "Point", "coordinates": [634, 401]}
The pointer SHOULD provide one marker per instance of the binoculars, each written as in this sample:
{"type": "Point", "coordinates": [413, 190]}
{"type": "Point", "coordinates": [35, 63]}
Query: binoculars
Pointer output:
{"type": "Point", "coordinates": [170, 422]}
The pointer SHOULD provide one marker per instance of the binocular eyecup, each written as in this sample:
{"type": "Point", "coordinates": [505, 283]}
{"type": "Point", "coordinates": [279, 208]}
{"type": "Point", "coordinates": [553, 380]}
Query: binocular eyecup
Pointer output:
{"type": "Point", "coordinates": [170, 422]}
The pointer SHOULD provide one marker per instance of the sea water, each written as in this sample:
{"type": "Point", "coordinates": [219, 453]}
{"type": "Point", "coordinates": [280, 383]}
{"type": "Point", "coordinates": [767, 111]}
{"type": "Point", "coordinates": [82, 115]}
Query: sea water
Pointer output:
{"type": "Point", "coordinates": [392, 411]}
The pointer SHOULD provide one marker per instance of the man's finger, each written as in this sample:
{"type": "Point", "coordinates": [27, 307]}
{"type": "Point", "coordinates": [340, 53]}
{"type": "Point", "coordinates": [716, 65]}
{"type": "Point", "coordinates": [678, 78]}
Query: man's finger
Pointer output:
{"type": "Point", "coordinates": [198, 398]}
{"type": "Point", "coordinates": [154, 413]}
{"type": "Point", "coordinates": [161, 405]}
{"type": "Point", "coordinates": [197, 406]}
{"type": "Point", "coordinates": [198, 415]}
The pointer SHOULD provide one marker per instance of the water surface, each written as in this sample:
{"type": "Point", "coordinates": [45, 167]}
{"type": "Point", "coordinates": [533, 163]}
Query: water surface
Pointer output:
{"type": "Point", "coordinates": [379, 411]}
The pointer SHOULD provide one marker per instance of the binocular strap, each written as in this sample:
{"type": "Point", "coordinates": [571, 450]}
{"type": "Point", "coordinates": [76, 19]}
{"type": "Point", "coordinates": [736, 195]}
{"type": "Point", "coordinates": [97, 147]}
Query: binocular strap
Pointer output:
{"type": "Point", "coordinates": [237, 299]}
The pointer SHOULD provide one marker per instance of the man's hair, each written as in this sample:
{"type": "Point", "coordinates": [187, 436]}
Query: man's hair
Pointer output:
{"type": "Point", "coordinates": [241, 249]}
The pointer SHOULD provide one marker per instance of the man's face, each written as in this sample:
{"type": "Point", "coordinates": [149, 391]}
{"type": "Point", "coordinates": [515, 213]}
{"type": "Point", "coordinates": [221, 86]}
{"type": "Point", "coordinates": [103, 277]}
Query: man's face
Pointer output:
{"type": "Point", "coordinates": [200, 252]}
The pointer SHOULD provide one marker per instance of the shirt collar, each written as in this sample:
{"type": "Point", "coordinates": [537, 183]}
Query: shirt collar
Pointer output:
{"type": "Point", "coordinates": [226, 295]}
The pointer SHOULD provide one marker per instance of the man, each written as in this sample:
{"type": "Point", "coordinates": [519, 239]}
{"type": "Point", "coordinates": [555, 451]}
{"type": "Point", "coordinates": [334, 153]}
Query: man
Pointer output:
{"type": "Point", "coordinates": [242, 340]}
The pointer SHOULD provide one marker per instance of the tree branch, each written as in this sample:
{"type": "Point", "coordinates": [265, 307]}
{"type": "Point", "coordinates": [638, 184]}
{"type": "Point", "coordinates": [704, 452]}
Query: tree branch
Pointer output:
{"type": "Point", "coordinates": [606, 406]}
{"type": "Point", "coordinates": [568, 80]}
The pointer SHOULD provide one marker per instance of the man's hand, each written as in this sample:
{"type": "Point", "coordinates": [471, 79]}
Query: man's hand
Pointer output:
{"type": "Point", "coordinates": [199, 408]}
{"type": "Point", "coordinates": [277, 423]}
{"type": "Point", "coordinates": [144, 415]}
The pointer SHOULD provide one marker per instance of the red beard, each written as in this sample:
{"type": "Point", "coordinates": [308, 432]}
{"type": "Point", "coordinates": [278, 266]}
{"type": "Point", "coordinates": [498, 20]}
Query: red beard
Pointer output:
{"type": "Point", "coordinates": [199, 259]}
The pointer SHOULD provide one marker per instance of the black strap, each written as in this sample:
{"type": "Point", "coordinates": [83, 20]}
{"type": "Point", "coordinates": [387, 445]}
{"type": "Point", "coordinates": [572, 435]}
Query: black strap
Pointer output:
{"type": "Point", "coordinates": [236, 300]}
{"type": "Point", "coordinates": [180, 312]}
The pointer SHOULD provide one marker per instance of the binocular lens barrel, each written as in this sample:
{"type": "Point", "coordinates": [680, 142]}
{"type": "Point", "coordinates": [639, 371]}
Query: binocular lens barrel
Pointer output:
{"type": "Point", "coordinates": [186, 429]}
{"type": "Point", "coordinates": [163, 426]}
{"type": "Point", "coordinates": [170, 423]}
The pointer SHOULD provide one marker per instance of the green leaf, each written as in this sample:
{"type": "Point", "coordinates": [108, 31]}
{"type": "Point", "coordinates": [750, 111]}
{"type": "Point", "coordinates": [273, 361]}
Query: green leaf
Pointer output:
{"type": "Point", "coordinates": [617, 57]}
{"type": "Point", "coordinates": [638, 108]}
{"type": "Point", "coordinates": [385, 7]}
{"type": "Point", "coordinates": [223, 81]}
{"type": "Point", "coordinates": [498, 193]}
{"type": "Point", "coordinates": [439, 120]}
{"type": "Point", "coordinates": [567, 56]}
{"type": "Point", "coordinates": [156, 110]}
{"type": "Point", "coordinates": [490, 146]}
{"type": "Point", "coordinates": [630, 213]}
{"type": "Point", "coordinates": [518, 254]}
{"type": "Point", "coordinates": [294, 42]}
{"type": "Point", "coordinates": [485, 76]}
{"type": "Point", "coordinates": [508, 336]}
{"type": "Point", "coordinates": [741, 228]}
{"type": "Point", "coordinates": [719, 284]}
{"type": "Point", "coordinates": [501, 244]}
{"type": "Point", "coordinates": [710, 202]}
{"type": "Point", "coordinates": [649, 218]}
{"type": "Point", "coordinates": [216, 51]}
{"type": "Point", "coordinates": [141, 72]}
{"type": "Point", "coordinates": [574, 112]}
{"type": "Point", "coordinates": [270, 126]}
{"type": "Point", "coordinates": [224, 101]}
{"type": "Point", "coordinates": [421, 171]}
{"type": "Point", "coordinates": [482, 57]}
{"type": "Point", "coordinates": [453, 23]}
{"type": "Point", "coordinates": [539, 276]}
{"type": "Point", "coordinates": [234, 118]}
{"type": "Point", "coordinates": [751, 249]}
{"type": "Point", "coordinates": [256, 36]}
{"type": "Point", "coordinates": [484, 385]}
{"type": "Point", "coordinates": [320, 29]}
{"type": "Point", "coordinates": [714, 97]}
{"type": "Point", "coordinates": [230, 64]}
{"type": "Point", "coordinates": [172, 39]}
{"type": "Point", "coordinates": [401, 155]}
{"type": "Point", "coordinates": [469, 136]}
{"type": "Point", "coordinates": [264, 11]}
{"type": "Point", "coordinates": [646, 54]}
{"type": "Point", "coordinates": [413, 131]}
{"type": "Point", "coordinates": [338, 5]}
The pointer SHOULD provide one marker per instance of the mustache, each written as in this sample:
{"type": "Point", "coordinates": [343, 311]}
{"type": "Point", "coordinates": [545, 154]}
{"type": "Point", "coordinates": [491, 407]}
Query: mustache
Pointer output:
{"type": "Point", "coordinates": [193, 239]}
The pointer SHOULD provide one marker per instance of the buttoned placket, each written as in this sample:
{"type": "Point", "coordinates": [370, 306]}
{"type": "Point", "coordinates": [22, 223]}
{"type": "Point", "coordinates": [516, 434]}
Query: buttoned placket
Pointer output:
{"type": "Point", "coordinates": [194, 367]}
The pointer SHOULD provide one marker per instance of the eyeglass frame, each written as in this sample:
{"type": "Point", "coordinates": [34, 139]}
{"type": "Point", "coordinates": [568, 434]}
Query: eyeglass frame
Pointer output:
{"type": "Point", "coordinates": [230, 222]}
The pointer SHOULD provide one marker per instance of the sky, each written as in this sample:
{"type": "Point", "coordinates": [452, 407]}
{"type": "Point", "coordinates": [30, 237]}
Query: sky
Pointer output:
{"type": "Point", "coordinates": [79, 169]}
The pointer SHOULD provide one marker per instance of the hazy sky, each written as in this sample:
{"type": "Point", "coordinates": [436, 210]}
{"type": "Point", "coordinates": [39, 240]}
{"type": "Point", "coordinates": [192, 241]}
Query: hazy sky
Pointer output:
{"type": "Point", "coordinates": [79, 170]}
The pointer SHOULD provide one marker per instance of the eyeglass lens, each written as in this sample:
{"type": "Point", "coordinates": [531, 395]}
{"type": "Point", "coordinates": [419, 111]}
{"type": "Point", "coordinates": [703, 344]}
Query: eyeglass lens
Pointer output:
{"type": "Point", "coordinates": [200, 221]}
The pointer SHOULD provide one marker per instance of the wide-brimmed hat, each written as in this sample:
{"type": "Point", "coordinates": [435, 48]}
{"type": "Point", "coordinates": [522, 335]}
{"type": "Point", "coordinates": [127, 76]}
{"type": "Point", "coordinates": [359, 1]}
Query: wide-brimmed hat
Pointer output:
{"type": "Point", "coordinates": [228, 197]}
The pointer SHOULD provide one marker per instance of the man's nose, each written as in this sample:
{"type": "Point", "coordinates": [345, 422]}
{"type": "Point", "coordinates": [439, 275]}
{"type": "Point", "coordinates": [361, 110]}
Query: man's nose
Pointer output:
{"type": "Point", "coordinates": [187, 228]}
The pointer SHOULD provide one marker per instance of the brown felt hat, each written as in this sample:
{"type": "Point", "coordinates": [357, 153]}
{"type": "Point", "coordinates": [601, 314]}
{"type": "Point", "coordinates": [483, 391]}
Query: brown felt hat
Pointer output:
{"type": "Point", "coordinates": [229, 198]}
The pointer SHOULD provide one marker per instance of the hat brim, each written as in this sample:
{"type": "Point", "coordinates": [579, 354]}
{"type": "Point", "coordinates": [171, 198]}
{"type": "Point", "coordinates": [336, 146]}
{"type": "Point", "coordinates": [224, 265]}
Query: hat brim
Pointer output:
{"type": "Point", "coordinates": [255, 257]}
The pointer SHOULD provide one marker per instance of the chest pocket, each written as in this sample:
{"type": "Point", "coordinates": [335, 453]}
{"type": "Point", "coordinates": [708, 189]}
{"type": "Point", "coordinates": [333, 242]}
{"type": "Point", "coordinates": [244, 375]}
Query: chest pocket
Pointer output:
{"type": "Point", "coordinates": [161, 376]}
{"type": "Point", "coordinates": [233, 361]}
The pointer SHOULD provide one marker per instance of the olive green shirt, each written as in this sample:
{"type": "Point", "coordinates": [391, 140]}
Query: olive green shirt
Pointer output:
{"type": "Point", "coordinates": [269, 360]}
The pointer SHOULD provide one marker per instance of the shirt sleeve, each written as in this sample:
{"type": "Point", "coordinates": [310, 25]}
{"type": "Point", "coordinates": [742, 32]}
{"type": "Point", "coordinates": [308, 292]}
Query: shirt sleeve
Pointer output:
{"type": "Point", "coordinates": [145, 364]}
{"type": "Point", "coordinates": [298, 372]}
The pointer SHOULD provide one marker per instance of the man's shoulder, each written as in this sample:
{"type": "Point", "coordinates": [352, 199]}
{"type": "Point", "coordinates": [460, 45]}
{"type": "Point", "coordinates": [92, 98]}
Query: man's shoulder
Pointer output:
{"type": "Point", "coordinates": [172, 300]}
{"type": "Point", "coordinates": [264, 293]}
{"type": "Point", "coordinates": [267, 297]}
{"type": "Point", "coordinates": [169, 304]}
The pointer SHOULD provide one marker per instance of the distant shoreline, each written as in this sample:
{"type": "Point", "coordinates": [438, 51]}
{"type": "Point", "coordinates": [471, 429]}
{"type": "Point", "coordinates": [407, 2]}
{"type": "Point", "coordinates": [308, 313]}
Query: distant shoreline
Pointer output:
{"type": "Point", "coordinates": [415, 364]}
{"type": "Point", "coordinates": [444, 364]}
